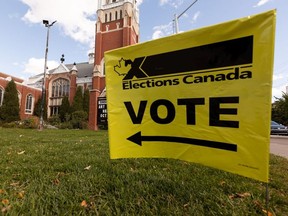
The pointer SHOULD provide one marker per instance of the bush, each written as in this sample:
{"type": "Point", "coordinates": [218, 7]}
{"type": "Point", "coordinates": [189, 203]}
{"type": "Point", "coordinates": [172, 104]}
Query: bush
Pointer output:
{"type": "Point", "coordinates": [54, 120]}
{"type": "Point", "coordinates": [10, 125]}
{"type": "Point", "coordinates": [79, 119]}
{"type": "Point", "coordinates": [28, 123]}
{"type": "Point", "coordinates": [65, 125]}
{"type": "Point", "coordinates": [84, 125]}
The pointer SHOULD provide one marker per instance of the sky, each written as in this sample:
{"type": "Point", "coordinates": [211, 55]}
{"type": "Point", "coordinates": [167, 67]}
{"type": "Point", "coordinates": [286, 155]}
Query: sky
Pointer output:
{"type": "Point", "coordinates": [23, 35]}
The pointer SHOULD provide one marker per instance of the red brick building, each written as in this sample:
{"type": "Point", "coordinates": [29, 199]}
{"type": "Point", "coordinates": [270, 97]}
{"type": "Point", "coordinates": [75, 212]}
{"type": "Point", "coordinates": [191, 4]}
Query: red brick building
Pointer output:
{"type": "Point", "coordinates": [64, 80]}
{"type": "Point", "coordinates": [28, 96]}
{"type": "Point", "coordinates": [117, 26]}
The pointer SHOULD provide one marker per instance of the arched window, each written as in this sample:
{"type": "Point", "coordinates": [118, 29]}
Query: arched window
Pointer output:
{"type": "Point", "coordinates": [110, 17]}
{"type": "Point", "coordinates": [1, 96]}
{"type": "Point", "coordinates": [29, 104]}
{"type": "Point", "coordinates": [60, 88]}
{"type": "Point", "coordinates": [120, 14]}
{"type": "Point", "coordinates": [116, 15]}
{"type": "Point", "coordinates": [106, 18]}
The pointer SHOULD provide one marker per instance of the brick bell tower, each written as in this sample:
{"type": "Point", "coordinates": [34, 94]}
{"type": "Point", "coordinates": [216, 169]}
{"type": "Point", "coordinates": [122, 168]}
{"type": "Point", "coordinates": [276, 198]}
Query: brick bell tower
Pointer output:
{"type": "Point", "coordinates": [117, 26]}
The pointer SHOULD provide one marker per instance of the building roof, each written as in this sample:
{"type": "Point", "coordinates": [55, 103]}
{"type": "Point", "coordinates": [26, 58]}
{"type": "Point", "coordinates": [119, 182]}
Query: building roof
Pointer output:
{"type": "Point", "coordinates": [84, 69]}
{"type": "Point", "coordinates": [16, 79]}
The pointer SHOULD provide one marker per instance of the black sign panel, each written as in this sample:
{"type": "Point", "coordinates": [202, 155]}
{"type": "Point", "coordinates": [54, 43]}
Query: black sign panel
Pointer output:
{"type": "Point", "coordinates": [228, 53]}
{"type": "Point", "coordinates": [102, 111]}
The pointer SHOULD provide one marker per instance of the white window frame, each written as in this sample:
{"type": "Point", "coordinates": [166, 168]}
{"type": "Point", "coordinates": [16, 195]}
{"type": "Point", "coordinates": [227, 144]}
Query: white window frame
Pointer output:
{"type": "Point", "coordinates": [29, 104]}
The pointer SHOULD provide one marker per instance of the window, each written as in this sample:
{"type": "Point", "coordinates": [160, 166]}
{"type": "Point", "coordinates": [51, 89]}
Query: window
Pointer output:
{"type": "Point", "coordinates": [110, 17]}
{"type": "Point", "coordinates": [120, 14]}
{"type": "Point", "coordinates": [105, 17]}
{"type": "Point", "coordinates": [60, 88]}
{"type": "Point", "coordinates": [116, 15]}
{"type": "Point", "coordinates": [54, 110]}
{"type": "Point", "coordinates": [29, 104]}
{"type": "Point", "coordinates": [1, 96]}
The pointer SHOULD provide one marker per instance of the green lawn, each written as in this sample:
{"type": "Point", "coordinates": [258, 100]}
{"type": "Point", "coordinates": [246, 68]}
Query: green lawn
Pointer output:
{"type": "Point", "coordinates": [68, 172]}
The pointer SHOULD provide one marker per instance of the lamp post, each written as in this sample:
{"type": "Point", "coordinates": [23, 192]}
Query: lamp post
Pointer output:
{"type": "Point", "coordinates": [46, 23]}
{"type": "Point", "coordinates": [177, 17]}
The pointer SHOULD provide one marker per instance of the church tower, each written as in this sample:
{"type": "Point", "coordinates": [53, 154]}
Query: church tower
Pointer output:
{"type": "Point", "coordinates": [117, 26]}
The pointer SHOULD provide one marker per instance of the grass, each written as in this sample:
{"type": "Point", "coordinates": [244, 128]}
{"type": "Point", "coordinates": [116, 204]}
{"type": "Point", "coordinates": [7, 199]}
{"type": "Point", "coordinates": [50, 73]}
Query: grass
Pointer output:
{"type": "Point", "coordinates": [68, 172]}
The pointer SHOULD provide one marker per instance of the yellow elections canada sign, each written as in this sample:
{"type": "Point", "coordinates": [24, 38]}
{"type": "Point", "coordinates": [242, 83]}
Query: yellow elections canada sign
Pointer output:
{"type": "Point", "coordinates": [202, 96]}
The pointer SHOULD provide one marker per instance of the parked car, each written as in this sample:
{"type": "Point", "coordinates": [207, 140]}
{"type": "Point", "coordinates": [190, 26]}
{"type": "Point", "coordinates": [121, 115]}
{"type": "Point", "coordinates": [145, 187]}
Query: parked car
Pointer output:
{"type": "Point", "coordinates": [279, 129]}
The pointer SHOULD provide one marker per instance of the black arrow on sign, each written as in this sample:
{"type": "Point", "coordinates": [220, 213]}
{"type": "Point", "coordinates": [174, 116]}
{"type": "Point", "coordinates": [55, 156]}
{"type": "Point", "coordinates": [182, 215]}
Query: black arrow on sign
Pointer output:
{"type": "Point", "coordinates": [138, 139]}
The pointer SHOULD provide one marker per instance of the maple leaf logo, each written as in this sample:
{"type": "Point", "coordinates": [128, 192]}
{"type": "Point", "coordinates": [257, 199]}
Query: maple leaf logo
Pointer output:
{"type": "Point", "coordinates": [123, 67]}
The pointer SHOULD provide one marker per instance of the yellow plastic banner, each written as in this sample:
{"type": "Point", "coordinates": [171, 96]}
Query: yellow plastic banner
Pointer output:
{"type": "Point", "coordinates": [202, 96]}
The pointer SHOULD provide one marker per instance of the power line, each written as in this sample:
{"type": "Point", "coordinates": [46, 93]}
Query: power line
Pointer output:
{"type": "Point", "coordinates": [177, 17]}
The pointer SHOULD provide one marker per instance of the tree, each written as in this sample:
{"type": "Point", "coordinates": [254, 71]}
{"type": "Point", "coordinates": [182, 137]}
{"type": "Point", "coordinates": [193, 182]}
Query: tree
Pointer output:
{"type": "Point", "coordinates": [86, 101]}
{"type": "Point", "coordinates": [10, 107]}
{"type": "Point", "coordinates": [37, 109]}
{"type": "Point", "coordinates": [64, 109]}
{"type": "Point", "coordinates": [280, 109]}
{"type": "Point", "coordinates": [77, 104]}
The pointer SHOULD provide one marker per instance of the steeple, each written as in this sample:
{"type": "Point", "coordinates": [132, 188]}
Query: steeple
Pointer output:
{"type": "Point", "coordinates": [117, 26]}
{"type": "Point", "coordinates": [110, 4]}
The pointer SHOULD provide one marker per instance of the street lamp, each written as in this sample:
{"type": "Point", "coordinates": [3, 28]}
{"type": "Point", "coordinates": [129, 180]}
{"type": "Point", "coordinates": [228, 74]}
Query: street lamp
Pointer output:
{"type": "Point", "coordinates": [177, 17]}
{"type": "Point", "coordinates": [46, 23]}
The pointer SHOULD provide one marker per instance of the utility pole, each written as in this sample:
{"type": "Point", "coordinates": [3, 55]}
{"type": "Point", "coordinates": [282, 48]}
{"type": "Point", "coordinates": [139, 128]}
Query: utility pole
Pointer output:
{"type": "Point", "coordinates": [176, 18]}
{"type": "Point", "coordinates": [41, 126]}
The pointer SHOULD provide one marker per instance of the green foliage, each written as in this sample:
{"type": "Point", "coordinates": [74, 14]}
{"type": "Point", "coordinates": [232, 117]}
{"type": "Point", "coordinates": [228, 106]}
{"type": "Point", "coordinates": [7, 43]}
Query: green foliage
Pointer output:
{"type": "Point", "coordinates": [79, 119]}
{"type": "Point", "coordinates": [53, 172]}
{"type": "Point", "coordinates": [77, 104]}
{"type": "Point", "coordinates": [10, 125]}
{"type": "Point", "coordinates": [86, 101]}
{"type": "Point", "coordinates": [280, 110]}
{"type": "Point", "coordinates": [37, 109]}
{"type": "Point", "coordinates": [29, 123]}
{"type": "Point", "coordinates": [65, 125]}
{"type": "Point", "coordinates": [64, 110]}
{"type": "Point", "coordinates": [76, 115]}
{"type": "Point", "coordinates": [9, 111]}
{"type": "Point", "coordinates": [54, 120]}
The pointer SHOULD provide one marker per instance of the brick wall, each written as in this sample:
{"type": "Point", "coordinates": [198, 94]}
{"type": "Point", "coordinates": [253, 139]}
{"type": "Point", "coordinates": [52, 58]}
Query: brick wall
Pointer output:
{"type": "Point", "coordinates": [23, 91]}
